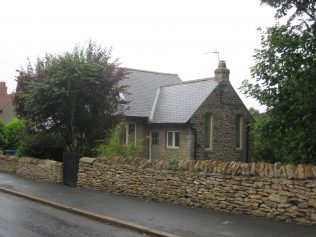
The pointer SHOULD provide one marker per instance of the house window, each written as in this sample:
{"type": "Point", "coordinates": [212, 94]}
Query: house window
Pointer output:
{"type": "Point", "coordinates": [208, 131]}
{"type": "Point", "coordinates": [173, 139]}
{"type": "Point", "coordinates": [131, 133]}
{"type": "Point", "coordinates": [155, 138]}
{"type": "Point", "coordinates": [239, 128]}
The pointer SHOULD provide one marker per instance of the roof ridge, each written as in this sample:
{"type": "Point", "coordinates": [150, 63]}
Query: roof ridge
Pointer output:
{"type": "Point", "coordinates": [153, 109]}
{"type": "Point", "coordinates": [8, 95]}
{"type": "Point", "coordinates": [191, 81]}
{"type": "Point", "coordinates": [141, 70]}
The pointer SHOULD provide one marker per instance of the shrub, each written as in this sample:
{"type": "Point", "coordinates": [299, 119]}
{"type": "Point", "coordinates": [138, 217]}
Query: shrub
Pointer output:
{"type": "Point", "coordinates": [14, 130]}
{"type": "Point", "coordinates": [173, 163]}
{"type": "Point", "coordinates": [115, 145]}
{"type": "Point", "coordinates": [42, 145]}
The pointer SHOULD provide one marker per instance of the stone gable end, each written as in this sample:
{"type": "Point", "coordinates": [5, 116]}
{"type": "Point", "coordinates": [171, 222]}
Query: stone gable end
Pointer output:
{"type": "Point", "coordinates": [224, 105]}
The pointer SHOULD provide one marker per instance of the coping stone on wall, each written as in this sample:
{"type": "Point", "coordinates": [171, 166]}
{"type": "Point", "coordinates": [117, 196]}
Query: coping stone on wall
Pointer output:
{"type": "Point", "coordinates": [87, 160]}
{"type": "Point", "coordinates": [10, 157]}
{"type": "Point", "coordinates": [314, 170]}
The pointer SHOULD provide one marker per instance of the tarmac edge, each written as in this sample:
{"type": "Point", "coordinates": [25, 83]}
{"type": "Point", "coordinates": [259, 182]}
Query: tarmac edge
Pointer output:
{"type": "Point", "coordinates": [91, 215]}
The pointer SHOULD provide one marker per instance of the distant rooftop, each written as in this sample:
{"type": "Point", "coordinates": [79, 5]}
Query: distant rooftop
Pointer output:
{"type": "Point", "coordinates": [5, 100]}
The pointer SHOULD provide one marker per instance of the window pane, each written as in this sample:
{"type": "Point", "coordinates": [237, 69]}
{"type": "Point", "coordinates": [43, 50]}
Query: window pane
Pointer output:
{"type": "Point", "coordinates": [211, 131]}
{"type": "Point", "coordinates": [238, 131]}
{"type": "Point", "coordinates": [207, 130]}
{"type": "Point", "coordinates": [155, 138]}
{"type": "Point", "coordinates": [170, 138]}
{"type": "Point", "coordinates": [177, 139]}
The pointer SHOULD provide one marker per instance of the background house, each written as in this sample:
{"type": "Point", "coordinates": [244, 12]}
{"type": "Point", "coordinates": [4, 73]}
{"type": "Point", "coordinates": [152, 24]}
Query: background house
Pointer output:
{"type": "Point", "coordinates": [199, 119]}
{"type": "Point", "coordinates": [6, 104]}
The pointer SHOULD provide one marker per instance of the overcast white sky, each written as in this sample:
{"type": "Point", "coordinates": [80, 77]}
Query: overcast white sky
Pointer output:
{"type": "Point", "coordinates": [166, 35]}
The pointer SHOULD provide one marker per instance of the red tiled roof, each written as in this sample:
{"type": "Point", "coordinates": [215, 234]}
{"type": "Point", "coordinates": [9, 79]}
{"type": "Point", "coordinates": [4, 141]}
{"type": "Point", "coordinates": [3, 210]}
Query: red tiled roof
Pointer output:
{"type": "Point", "coordinates": [5, 100]}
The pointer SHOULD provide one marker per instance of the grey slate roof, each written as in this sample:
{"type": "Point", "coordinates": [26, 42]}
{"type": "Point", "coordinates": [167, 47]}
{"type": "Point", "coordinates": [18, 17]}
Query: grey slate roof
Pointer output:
{"type": "Point", "coordinates": [177, 103]}
{"type": "Point", "coordinates": [142, 88]}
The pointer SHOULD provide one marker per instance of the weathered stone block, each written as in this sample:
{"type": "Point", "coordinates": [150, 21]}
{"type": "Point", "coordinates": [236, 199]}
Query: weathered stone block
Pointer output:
{"type": "Point", "coordinates": [87, 160]}
{"type": "Point", "coordinates": [245, 169]}
{"type": "Point", "coordinates": [283, 172]}
{"type": "Point", "coordinates": [277, 198]}
{"type": "Point", "coordinates": [312, 202]}
{"type": "Point", "coordinates": [300, 171]}
{"type": "Point", "coordinates": [258, 213]}
{"type": "Point", "coordinates": [290, 171]}
{"type": "Point", "coordinates": [270, 169]}
{"type": "Point", "coordinates": [277, 170]}
{"type": "Point", "coordinates": [253, 169]}
{"type": "Point", "coordinates": [258, 184]}
{"type": "Point", "coordinates": [235, 168]}
{"type": "Point", "coordinates": [261, 170]}
{"type": "Point", "coordinates": [309, 171]}
{"type": "Point", "coordinates": [314, 170]}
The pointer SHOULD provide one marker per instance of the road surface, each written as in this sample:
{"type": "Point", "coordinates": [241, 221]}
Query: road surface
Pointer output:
{"type": "Point", "coordinates": [23, 218]}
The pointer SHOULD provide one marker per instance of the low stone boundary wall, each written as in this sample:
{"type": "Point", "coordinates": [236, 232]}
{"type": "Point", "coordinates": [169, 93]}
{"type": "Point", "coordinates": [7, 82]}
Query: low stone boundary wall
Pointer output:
{"type": "Point", "coordinates": [42, 170]}
{"type": "Point", "coordinates": [269, 190]}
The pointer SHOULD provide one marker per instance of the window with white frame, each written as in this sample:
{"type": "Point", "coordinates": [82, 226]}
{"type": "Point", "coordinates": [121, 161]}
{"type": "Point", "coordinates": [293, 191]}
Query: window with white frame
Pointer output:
{"type": "Point", "coordinates": [173, 139]}
{"type": "Point", "coordinates": [208, 131]}
{"type": "Point", "coordinates": [131, 133]}
{"type": "Point", "coordinates": [239, 127]}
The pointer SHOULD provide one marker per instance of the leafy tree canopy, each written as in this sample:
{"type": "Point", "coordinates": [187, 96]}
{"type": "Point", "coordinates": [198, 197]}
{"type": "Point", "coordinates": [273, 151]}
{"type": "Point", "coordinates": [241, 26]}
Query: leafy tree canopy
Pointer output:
{"type": "Point", "coordinates": [284, 79]}
{"type": "Point", "coordinates": [254, 112]}
{"type": "Point", "coordinates": [300, 9]}
{"type": "Point", "coordinates": [75, 94]}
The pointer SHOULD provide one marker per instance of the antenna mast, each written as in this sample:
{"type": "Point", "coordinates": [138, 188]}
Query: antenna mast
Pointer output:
{"type": "Point", "coordinates": [214, 52]}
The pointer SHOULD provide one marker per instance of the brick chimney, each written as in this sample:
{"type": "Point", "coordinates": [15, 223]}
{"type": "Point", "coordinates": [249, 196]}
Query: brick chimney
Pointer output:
{"type": "Point", "coordinates": [3, 89]}
{"type": "Point", "coordinates": [222, 72]}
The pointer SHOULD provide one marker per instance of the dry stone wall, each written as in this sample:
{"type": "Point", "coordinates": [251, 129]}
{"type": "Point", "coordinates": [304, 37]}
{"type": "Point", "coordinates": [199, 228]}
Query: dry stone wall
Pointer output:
{"type": "Point", "coordinates": [42, 170]}
{"type": "Point", "coordinates": [267, 190]}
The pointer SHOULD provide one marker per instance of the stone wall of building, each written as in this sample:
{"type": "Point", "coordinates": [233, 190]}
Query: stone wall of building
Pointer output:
{"type": "Point", "coordinates": [224, 105]}
{"type": "Point", "coordinates": [42, 170]}
{"type": "Point", "coordinates": [284, 192]}
{"type": "Point", "coordinates": [142, 134]}
{"type": "Point", "coordinates": [184, 149]}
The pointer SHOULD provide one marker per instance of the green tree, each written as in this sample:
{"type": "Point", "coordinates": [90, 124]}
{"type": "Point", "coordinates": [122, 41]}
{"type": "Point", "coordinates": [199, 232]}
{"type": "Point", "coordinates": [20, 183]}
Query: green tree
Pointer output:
{"type": "Point", "coordinates": [254, 113]}
{"type": "Point", "coordinates": [302, 10]}
{"type": "Point", "coordinates": [74, 94]}
{"type": "Point", "coordinates": [284, 80]}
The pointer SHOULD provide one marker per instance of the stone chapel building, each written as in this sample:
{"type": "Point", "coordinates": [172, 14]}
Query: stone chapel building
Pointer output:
{"type": "Point", "coordinates": [197, 120]}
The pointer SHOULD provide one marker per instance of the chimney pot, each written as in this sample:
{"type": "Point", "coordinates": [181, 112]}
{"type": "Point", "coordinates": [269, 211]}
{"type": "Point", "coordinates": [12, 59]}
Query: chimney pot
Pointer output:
{"type": "Point", "coordinates": [222, 72]}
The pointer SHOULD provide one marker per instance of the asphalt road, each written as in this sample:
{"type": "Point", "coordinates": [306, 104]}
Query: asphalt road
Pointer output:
{"type": "Point", "coordinates": [23, 218]}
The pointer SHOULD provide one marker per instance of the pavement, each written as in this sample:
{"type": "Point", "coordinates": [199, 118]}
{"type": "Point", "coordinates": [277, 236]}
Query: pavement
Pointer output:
{"type": "Point", "coordinates": [158, 219]}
